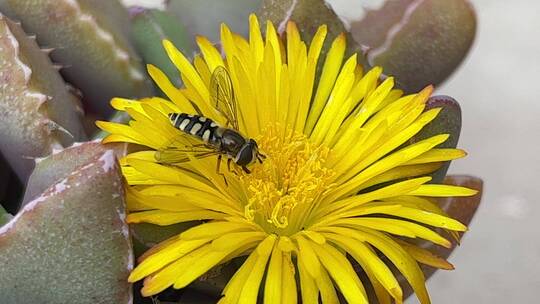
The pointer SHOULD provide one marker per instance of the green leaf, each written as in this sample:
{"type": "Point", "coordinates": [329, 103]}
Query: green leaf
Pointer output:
{"type": "Point", "coordinates": [91, 40]}
{"type": "Point", "coordinates": [71, 243]}
{"type": "Point", "coordinates": [37, 111]}
{"type": "Point", "coordinates": [419, 42]}
{"type": "Point", "coordinates": [150, 28]}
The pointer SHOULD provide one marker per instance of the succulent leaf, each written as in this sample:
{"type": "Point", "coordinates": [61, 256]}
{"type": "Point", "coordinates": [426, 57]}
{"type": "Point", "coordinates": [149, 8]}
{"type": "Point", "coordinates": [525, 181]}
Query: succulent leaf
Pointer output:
{"type": "Point", "coordinates": [447, 122]}
{"type": "Point", "coordinates": [71, 242]}
{"type": "Point", "coordinates": [421, 42]}
{"type": "Point", "coordinates": [150, 27]}
{"type": "Point", "coordinates": [203, 17]}
{"type": "Point", "coordinates": [37, 111]}
{"type": "Point", "coordinates": [308, 16]}
{"type": "Point", "coordinates": [59, 165]}
{"type": "Point", "coordinates": [90, 39]}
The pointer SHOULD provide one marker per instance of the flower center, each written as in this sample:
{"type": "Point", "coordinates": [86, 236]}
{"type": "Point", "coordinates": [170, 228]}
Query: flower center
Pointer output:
{"type": "Point", "coordinates": [284, 190]}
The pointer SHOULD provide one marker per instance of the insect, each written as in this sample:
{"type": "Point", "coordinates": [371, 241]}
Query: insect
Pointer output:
{"type": "Point", "coordinates": [211, 138]}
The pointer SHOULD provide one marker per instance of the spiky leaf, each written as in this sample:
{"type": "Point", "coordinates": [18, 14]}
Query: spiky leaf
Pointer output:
{"type": "Point", "coordinates": [37, 112]}
{"type": "Point", "coordinates": [90, 38]}
{"type": "Point", "coordinates": [71, 243]}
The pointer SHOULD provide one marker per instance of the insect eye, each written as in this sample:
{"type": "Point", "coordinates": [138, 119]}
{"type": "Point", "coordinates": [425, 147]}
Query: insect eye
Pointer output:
{"type": "Point", "coordinates": [245, 156]}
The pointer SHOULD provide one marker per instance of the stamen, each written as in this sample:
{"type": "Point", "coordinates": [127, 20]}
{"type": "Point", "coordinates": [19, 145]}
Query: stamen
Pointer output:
{"type": "Point", "coordinates": [283, 190]}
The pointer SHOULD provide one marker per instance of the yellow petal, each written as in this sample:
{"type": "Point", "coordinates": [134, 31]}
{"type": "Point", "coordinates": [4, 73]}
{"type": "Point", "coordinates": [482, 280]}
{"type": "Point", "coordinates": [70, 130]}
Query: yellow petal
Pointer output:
{"type": "Point", "coordinates": [437, 155]}
{"type": "Point", "coordinates": [228, 240]}
{"type": "Point", "coordinates": [308, 287]}
{"type": "Point", "coordinates": [288, 282]}
{"type": "Point", "coordinates": [123, 130]}
{"type": "Point", "coordinates": [331, 68]}
{"type": "Point", "coordinates": [166, 277]}
{"type": "Point", "coordinates": [326, 288]}
{"type": "Point", "coordinates": [255, 38]}
{"type": "Point", "coordinates": [189, 73]}
{"type": "Point", "coordinates": [170, 251]}
{"type": "Point", "coordinates": [339, 93]}
{"type": "Point", "coordinates": [210, 53]}
{"type": "Point", "coordinates": [398, 227]}
{"type": "Point", "coordinates": [251, 287]}
{"type": "Point", "coordinates": [308, 256]}
{"type": "Point", "coordinates": [197, 265]}
{"type": "Point", "coordinates": [165, 218]}
{"type": "Point", "coordinates": [393, 160]}
{"type": "Point", "coordinates": [405, 171]}
{"type": "Point", "coordinates": [396, 254]}
{"type": "Point", "coordinates": [169, 89]}
{"type": "Point", "coordinates": [233, 289]}
{"type": "Point", "coordinates": [272, 287]}
{"type": "Point", "coordinates": [215, 229]}
{"type": "Point", "coordinates": [392, 190]}
{"type": "Point", "coordinates": [341, 271]}
{"type": "Point", "coordinates": [370, 262]}
{"type": "Point", "coordinates": [425, 217]}
{"type": "Point", "coordinates": [425, 256]}
{"type": "Point", "coordinates": [442, 191]}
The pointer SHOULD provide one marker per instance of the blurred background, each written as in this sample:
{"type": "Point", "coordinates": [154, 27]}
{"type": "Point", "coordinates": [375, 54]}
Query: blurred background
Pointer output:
{"type": "Point", "coordinates": [496, 85]}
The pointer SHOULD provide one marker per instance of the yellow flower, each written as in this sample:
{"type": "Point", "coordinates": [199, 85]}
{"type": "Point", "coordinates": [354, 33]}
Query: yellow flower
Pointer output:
{"type": "Point", "coordinates": [340, 181]}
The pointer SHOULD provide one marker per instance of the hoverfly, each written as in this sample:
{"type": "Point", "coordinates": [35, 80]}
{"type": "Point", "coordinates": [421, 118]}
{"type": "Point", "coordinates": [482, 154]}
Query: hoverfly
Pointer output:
{"type": "Point", "coordinates": [212, 138]}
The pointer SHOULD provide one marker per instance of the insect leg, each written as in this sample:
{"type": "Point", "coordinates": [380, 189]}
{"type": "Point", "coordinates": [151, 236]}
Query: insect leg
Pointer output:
{"type": "Point", "coordinates": [217, 169]}
{"type": "Point", "coordinates": [246, 169]}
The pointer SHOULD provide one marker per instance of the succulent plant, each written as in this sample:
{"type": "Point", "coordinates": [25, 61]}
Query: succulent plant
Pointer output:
{"type": "Point", "coordinates": [63, 231]}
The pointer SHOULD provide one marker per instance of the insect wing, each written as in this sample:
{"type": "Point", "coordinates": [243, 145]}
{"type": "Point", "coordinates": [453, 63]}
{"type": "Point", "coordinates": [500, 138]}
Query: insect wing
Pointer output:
{"type": "Point", "coordinates": [172, 157]}
{"type": "Point", "coordinates": [222, 93]}
{"type": "Point", "coordinates": [177, 151]}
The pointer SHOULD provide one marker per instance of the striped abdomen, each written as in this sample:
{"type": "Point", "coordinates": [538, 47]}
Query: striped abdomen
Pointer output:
{"type": "Point", "coordinates": [196, 125]}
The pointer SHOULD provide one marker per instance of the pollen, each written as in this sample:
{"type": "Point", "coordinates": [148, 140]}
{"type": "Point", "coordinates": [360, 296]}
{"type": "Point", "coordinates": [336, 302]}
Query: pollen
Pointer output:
{"type": "Point", "coordinates": [288, 185]}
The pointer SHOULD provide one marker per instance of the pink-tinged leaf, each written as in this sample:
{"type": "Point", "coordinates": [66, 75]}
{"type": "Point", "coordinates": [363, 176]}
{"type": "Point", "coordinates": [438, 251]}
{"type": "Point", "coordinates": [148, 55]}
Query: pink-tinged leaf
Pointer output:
{"type": "Point", "coordinates": [91, 42]}
{"type": "Point", "coordinates": [61, 163]}
{"type": "Point", "coordinates": [71, 243]}
{"type": "Point", "coordinates": [37, 111]}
